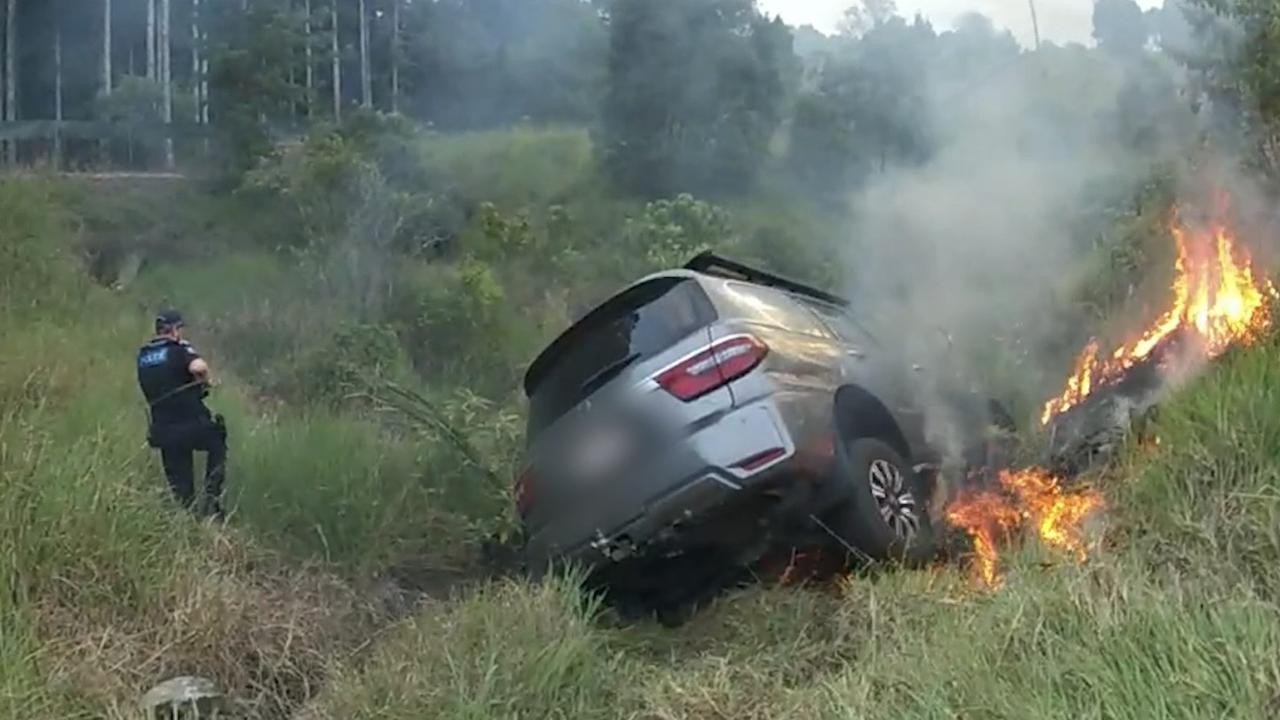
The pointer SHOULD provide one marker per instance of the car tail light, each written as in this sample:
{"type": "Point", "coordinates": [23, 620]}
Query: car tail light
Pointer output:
{"type": "Point", "coordinates": [719, 364]}
{"type": "Point", "coordinates": [524, 491]}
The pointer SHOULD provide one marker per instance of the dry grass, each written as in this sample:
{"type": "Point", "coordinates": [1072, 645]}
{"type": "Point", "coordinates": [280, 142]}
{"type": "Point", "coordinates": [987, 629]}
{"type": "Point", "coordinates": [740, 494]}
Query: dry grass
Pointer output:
{"type": "Point", "coordinates": [266, 636]}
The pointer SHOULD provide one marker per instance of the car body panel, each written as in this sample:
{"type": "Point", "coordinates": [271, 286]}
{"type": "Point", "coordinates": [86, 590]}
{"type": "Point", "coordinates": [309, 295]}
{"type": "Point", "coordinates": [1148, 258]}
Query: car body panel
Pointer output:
{"type": "Point", "coordinates": [599, 500]}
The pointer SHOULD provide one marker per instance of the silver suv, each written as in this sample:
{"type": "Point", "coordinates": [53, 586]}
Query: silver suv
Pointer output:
{"type": "Point", "coordinates": [705, 416]}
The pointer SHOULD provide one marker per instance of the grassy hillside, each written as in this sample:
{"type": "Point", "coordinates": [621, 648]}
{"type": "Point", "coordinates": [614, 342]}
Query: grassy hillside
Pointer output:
{"type": "Point", "coordinates": [105, 589]}
{"type": "Point", "coordinates": [1176, 616]}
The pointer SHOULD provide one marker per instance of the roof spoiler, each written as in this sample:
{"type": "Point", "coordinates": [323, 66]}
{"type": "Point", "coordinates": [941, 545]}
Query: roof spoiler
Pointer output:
{"type": "Point", "coordinates": [709, 263]}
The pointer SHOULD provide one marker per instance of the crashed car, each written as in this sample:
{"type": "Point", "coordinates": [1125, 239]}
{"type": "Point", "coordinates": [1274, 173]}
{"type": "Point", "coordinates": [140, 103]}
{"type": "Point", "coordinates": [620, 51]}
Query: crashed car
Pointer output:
{"type": "Point", "coordinates": [708, 415]}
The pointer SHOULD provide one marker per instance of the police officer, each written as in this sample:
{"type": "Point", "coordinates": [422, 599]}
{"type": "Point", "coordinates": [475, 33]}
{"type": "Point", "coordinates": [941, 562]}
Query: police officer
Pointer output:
{"type": "Point", "coordinates": [175, 380]}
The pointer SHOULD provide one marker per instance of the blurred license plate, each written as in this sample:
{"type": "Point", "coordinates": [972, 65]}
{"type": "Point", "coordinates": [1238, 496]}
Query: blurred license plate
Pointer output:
{"type": "Point", "coordinates": [601, 451]}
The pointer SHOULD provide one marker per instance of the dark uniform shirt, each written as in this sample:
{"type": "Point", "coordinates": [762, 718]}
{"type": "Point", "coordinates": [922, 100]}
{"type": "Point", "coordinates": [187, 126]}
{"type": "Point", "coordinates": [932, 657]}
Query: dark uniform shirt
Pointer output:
{"type": "Point", "coordinates": [175, 395]}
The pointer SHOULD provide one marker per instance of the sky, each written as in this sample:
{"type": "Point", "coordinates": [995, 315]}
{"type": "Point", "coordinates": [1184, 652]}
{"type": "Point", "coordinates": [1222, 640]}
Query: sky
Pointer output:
{"type": "Point", "coordinates": [1061, 21]}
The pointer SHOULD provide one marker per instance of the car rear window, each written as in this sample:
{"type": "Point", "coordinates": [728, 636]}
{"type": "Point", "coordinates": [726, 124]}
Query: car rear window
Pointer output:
{"type": "Point", "coordinates": [630, 328]}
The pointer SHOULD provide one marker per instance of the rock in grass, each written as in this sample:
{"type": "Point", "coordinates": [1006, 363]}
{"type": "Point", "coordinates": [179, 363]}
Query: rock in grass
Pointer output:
{"type": "Point", "coordinates": [184, 697]}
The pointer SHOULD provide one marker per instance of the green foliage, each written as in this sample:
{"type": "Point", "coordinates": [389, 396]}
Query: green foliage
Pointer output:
{"type": "Point", "coordinates": [670, 232]}
{"type": "Point", "coordinates": [1202, 498]}
{"type": "Point", "coordinates": [1234, 62]}
{"type": "Point", "coordinates": [135, 100]}
{"type": "Point", "coordinates": [347, 363]}
{"type": "Point", "coordinates": [329, 487]}
{"type": "Point", "coordinates": [522, 167]}
{"type": "Point", "coordinates": [1104, 641]}
{"type": "Point", "coordinates": [1131, 241]}
{"type": "Point", "coordinates": [481, 64]}
{"type": "Point", "coordinates": [1119, 26]}
{"type": "Point", "coordinates": [251, 53]}
{"type": "Point", "coordinates": [37, 275]}
{"type": "Point", "coordinates": [824, 151]}
{"type": "Point", "coordinates": [316, 180]}
{"type": "Point", "coordinates": [512, 651]}
{"type": "Point", "coordinates": [696, 91]}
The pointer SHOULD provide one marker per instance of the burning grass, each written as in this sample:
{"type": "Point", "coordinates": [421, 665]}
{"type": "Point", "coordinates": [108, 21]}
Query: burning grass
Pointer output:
{"type": "Point", "coordinates": [1029, 498]}
{"type": "Point", "coordinates": [1217, 301]}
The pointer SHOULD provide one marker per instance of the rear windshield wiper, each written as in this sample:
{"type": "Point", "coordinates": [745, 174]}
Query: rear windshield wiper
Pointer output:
{"type": "Point", "coordinates": [608, 373]}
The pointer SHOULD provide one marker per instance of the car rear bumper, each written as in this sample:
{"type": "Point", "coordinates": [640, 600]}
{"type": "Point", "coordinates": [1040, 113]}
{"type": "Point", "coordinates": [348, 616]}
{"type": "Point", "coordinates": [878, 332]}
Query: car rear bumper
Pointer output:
{"type": "Point", "coordinates": [734, 457]}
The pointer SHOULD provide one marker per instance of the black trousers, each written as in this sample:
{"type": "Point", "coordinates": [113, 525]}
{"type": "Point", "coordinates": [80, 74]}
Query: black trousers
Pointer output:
{"type": "Point", "coordinates": [178, 443]}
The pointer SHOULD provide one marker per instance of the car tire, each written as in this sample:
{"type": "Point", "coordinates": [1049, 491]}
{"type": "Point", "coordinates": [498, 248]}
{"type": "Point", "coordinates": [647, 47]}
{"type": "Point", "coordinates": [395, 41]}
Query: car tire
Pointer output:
{"type": "Point", "coordinates": [885, 517]}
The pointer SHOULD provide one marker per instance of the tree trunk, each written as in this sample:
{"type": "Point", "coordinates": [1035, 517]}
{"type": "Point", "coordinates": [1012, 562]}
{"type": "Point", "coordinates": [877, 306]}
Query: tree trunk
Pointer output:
{"type": "Point", "coordinates": [366, 81]}
{"type": "Point", "coordinates": [309, 75]}
{"type": "Point", "coordinates": [195, 57]}
{"type": "Point", "coordinates": [203, 83]}
{"type": "Point", "coordinates": [106, 47]}
{"type": "Point", "coordinates": [166, 78]}
{"type": "Point", "coordinates": [104, 144]}
{"type": "Point", "coordinates": [11, 76]}
{"type": "Point", "coordinates": [57, 86]}
{"type": "Point", "coordinates": [337, 67]}
{"type": "Point", "coordinates": [395, 56]}
{"type": "Point", "coordinates": [151, 39]}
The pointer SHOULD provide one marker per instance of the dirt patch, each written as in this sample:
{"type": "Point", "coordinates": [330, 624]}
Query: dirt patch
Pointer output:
{"type": "Point", "coordinates": [450, 578]}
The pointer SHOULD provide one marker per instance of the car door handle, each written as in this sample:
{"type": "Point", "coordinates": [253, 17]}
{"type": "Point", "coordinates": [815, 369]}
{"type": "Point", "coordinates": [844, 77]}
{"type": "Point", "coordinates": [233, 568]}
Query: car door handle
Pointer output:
{"type": "Point", "coordinates": [856, 354]}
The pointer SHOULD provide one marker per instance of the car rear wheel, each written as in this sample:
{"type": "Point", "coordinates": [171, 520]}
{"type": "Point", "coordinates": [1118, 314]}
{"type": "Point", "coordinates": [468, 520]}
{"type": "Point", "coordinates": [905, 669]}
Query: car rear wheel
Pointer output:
{"type": "Point", "coordinates": [886, 516]}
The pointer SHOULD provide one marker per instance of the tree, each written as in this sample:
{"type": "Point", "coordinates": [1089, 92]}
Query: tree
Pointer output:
{"type": "Point", "coordinates": [106, 47]}
{"type": "Point", "coordinates": [165, 61]}
{"type": "Point", "coordinates": [252, 55]}
{"type": "Point", "coordinates": [308, 58]}
{"type": "Point", "coordinates": [57, 85]}
{"type": "Point", "coordinates": [11, 73]}
{"type": "Point", "coordinates": [366, 81]}
{"type": "Point", "coordinates": [868, 111]}
{"type": "Point", "coordinates": [861, 19]}
{"type": "Point", "coordinates": [1119, 26]}
{"type": "Point", "coordinates": [485, 63]}
{"type": "Point", "coordinates": [151, 39]}
{"type": "Point", "coordinates": [336, 49]}
{"type": "Point", "coordinates": [395, 56]}
{"type": "Point", "coordinates": [695, 94]}
{"type": "Point", "coordinates": [1238, 70]}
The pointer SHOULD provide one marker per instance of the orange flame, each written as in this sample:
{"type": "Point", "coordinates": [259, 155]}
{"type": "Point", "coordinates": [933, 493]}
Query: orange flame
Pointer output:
{"type": "Point", "coordinates": [1215, 296]}
{"type": "Point", "coordinates": [1030, 497]}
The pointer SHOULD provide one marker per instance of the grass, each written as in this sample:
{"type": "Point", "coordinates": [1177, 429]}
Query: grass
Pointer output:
{"type": "Point", "coordinates": [513, 168]}
{"type": "Point", "coordinates": [106, 589]}
{"type": "Point", "coordinates": [1102, 641]}
{"type": "Point", "coordinates": [1176, 616]}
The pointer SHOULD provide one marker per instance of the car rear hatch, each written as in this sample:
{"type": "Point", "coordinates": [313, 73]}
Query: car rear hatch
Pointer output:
{"type": "Point", "coordinates": [609, 402]}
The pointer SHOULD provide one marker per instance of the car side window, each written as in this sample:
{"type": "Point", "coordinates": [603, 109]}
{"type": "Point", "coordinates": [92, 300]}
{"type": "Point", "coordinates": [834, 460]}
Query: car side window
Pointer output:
{"type": "Point", "coordinates": [841, 323]}
{"type": "Point", "coordinates": [773, 307]}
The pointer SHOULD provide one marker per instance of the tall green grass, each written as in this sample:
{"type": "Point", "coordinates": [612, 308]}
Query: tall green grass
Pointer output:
{"type": "Point", "coordinates": [1175, 615]}
{"type": "Point", "coordinates": [1202, 499]}
{"type": "Point", "coordinates": [106, 585]}
{"type": "Point", "coordinates": [1102, 641]}
{"type": "Point", "coordinates": [327, 486]}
